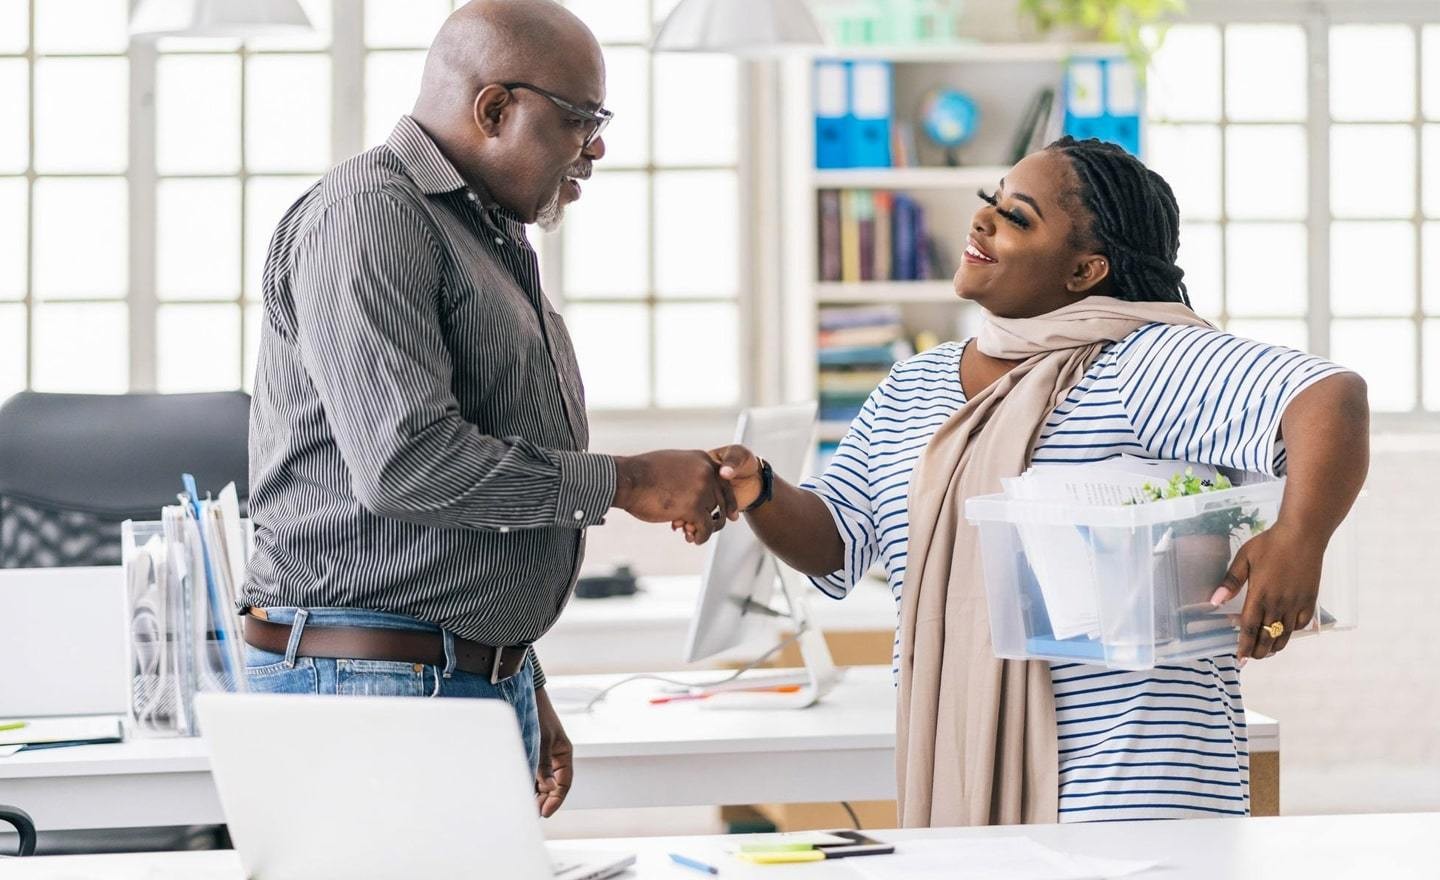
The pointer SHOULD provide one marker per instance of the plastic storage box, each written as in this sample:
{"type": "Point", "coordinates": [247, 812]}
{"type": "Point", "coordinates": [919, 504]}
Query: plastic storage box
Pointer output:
{"type": "Point", "coordinates": [1129, 586]}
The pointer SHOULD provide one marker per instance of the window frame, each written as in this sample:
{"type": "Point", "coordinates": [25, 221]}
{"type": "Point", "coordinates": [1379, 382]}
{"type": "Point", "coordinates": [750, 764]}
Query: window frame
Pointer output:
{"type": "Point", "coordinates": [1316, 17]}
{"type": "Point", "coordinates": [347, 54]}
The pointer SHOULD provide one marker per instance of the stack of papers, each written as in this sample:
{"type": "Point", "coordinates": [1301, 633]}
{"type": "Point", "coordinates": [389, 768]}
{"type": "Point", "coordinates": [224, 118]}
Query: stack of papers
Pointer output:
{"type": "Point", "coordinates": [18, 733]}
{"type": "Point", "coordinates": [1013, 858]}
{"type": "Point", "coordinates": [1061, 556]}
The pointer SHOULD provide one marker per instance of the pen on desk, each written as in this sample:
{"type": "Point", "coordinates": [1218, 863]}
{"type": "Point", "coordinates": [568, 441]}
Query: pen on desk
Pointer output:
{"type": "Point", "coordinates": [692, 863]}
{"type": "Point", "coordinates": [14, 725]}
{"type": "Point", "coordinates": [774, 689]}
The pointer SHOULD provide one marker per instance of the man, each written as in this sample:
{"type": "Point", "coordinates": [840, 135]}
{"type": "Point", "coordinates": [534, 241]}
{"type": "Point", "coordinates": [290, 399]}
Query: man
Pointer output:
{"type": "Point", "coordinates": [419, 481]}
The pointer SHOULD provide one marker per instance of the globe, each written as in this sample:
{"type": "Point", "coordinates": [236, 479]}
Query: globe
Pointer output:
{"type": "Point", "coordinates": [949, 118]}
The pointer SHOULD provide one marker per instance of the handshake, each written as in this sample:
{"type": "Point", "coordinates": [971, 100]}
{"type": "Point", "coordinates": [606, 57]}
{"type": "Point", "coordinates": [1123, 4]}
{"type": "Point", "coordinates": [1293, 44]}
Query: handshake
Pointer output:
{"type": "Point", "coordinates": [690, 489]}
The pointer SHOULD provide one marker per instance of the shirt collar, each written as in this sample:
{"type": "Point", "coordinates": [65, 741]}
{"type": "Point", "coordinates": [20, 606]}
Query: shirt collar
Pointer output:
{"type": "Point", "coordinates": [423, 161]}
{"type": "Point", "coordinates": [435, 174]}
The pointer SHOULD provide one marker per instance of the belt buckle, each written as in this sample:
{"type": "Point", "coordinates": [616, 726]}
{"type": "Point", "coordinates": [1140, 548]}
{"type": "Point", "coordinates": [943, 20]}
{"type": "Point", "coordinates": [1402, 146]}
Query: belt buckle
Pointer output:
{"type": "Point", "coordinates": [495, 665]}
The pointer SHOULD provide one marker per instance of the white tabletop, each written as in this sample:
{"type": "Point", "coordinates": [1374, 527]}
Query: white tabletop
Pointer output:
{"type": "Point", "coordinates": [628, 753]}
{"type": "Point", "coordinates": [1394, 847]}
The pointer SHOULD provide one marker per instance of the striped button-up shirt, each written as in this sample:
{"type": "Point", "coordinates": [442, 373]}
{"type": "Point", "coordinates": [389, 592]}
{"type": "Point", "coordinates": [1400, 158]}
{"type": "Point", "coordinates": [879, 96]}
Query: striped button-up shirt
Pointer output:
{"type": "Point", "coordinates": [418, 428]}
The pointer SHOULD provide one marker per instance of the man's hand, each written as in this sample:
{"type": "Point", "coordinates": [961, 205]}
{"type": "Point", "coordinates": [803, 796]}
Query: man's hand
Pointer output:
{"type": "Point", "coordinates": [556, 771]}
{"type": "Point", "coordinates": [1282, 566]}
{"type": "Point", "coordinates": [739, 468]}
{"type": "Point", "coordinates": [675, 486]}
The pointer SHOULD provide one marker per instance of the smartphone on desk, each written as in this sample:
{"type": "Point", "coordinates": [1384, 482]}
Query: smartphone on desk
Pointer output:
{"type": "Point", "coordinates": [856, 844]}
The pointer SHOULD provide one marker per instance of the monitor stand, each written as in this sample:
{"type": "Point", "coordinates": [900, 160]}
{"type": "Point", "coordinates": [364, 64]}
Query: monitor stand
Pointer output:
{"type": "Point", "coordinates": [815, 679]}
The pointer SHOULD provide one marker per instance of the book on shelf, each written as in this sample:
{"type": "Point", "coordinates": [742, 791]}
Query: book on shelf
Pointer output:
{"type": "Point", "coordinates": [858, 316]}
{"type": "Point", "coordinates": [870, 235]}
{"type": "Point", "coordinates": [829, 225]}
{"type": "Point", "coordinates": [856, 347]}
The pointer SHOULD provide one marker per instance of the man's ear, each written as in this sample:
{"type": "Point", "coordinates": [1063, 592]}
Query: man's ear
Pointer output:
{"type": "Point", "coordinates": [488, 110]}
{"type": "Point", "coordinates": [1090, 273]}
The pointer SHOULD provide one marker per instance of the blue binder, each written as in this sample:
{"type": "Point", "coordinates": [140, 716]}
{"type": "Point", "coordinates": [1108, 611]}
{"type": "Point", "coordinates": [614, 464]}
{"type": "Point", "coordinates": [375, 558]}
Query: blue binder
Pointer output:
{"type": "Point", "coordinates": [871, 110]}
{"type": "Point", "coordinates": [832, 101]}
{"type": "Point", "coordinates": [1102, 100]}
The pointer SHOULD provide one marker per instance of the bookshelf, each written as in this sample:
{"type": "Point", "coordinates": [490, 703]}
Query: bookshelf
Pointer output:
{"type": "Point", "coordinates": [1001, 78]}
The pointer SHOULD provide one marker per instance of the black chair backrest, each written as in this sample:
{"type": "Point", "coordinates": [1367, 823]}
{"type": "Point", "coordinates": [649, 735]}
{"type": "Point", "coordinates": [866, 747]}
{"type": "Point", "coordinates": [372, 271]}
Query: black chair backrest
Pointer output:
{"type": "Point", "coordinates": [74, 466]}
{"type": "Point", "coordinates": [23, 824]}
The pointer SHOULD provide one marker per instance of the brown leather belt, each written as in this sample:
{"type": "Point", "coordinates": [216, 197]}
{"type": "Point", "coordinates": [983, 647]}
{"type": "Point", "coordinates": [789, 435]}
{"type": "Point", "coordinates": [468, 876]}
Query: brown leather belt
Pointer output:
{"type": "Point", "coordinates": [373, 643]}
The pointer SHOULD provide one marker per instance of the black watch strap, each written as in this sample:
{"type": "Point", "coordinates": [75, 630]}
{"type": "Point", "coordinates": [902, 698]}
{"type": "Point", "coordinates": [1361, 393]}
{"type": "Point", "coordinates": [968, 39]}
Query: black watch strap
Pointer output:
{"type": "Point", "coordinates": [767, 486]}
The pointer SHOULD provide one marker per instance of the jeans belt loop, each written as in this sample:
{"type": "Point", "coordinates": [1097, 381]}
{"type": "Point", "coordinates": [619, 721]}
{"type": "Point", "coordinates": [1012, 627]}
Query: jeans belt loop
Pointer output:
{"type": "Point", "coordinates": [448, 638]}
{"type": "Point", "coordinates": [297, 629]}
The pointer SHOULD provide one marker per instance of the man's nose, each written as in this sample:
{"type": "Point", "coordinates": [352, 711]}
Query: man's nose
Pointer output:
{"type": "Point", "coordinates": [595, 151]}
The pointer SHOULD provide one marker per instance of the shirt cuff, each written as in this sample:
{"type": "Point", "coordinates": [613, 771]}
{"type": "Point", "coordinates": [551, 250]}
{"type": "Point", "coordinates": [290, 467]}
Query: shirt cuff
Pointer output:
{"type": "Point", "coordinates": [587, 488]}
{"type": "Point", "coordinates": [536, 672]}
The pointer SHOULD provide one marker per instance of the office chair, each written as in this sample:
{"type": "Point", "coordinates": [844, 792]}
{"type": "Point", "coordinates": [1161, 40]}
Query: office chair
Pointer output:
{"type": "Point", "coordinates": [23, 824]}
{"type": "Point", "coordinates": [74, 466]}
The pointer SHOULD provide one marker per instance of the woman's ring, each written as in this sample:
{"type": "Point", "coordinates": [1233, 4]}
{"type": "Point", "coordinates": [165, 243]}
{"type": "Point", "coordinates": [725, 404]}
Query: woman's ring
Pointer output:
{"type": "Point", "coordinates": [1276, 629]}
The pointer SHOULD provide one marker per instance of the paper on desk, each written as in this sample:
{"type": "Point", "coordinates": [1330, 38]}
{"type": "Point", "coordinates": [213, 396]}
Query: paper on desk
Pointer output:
{"type": "Point", "coordinates": [1011, 858]}
{"type": "Point", "coordinates": [7, 751]}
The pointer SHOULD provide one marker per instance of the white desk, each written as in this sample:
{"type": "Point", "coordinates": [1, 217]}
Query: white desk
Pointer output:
{"type": "Point", "coordinates": [1395, 847]}
{"type": "Point", "coordinates": [627, 754]}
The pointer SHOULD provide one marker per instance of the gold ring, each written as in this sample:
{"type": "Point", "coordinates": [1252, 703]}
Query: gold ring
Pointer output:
{"type": "Point", "coordinates": [1276, 629]}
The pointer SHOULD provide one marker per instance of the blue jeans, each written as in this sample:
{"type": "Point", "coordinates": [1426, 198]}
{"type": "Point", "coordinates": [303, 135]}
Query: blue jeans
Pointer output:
{"type": "Point", "coordinates": [287, 673]}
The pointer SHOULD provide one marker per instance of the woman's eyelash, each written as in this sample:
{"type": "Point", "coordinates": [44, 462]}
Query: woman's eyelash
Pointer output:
{"type": "Point", "coordinates": [1013, 216]}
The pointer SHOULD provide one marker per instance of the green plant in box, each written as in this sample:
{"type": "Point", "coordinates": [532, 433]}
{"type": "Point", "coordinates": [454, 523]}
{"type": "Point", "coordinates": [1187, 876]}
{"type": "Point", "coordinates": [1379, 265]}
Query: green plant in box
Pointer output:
{"type": "Point", "coordinates": [1202, 543]}
{"type": "Point", "coordinates": [1226, 521]}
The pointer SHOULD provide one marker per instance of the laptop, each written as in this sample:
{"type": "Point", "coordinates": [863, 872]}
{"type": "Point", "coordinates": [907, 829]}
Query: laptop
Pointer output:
{"type": "Point", "coordinates": [355, 788]}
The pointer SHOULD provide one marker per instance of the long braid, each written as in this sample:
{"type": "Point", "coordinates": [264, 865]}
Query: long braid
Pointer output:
{"type": "Point", "coordinates": [1135, 220]}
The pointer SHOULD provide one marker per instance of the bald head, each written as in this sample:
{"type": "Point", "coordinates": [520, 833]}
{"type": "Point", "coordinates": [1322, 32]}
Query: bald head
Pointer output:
{"type": "Point", "coordinates": [494, 41]}
{"type": "Point", "coordinates": [511, 95]}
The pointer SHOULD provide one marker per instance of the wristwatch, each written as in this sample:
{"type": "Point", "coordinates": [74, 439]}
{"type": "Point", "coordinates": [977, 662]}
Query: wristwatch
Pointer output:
{"type": "Point", "coordinates": [767, 486]}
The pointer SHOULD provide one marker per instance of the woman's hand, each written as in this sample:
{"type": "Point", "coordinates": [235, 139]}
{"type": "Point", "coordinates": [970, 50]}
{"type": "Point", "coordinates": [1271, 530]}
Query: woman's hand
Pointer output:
{"type": "Point", "coordinates": [1282, 566]}
{"type": "Point", "coordinates": [739, 468]}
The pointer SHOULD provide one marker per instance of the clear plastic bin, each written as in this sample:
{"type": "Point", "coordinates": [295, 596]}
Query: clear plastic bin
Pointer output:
{"type": "Point", "coordinates": [1129, 586]}
{"type": "Point", "coordinates": [183, 633]}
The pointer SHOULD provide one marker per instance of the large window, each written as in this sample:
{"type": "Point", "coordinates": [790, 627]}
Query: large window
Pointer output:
{"type": "Point", "coordinates": [1305, 153]}
{"type": "Point", "coordinates": [140, 186]}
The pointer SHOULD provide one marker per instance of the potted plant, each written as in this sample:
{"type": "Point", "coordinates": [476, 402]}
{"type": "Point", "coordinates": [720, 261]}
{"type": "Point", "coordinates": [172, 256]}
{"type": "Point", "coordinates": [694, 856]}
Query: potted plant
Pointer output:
{"type": "Point", "coordinates": [1109, 21]}
{"type": "Point", "coordinates": [1202, 543]}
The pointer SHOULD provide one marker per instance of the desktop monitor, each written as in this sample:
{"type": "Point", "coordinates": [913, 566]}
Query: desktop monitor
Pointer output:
{"type": "Point", "coordinates": [740, 575]}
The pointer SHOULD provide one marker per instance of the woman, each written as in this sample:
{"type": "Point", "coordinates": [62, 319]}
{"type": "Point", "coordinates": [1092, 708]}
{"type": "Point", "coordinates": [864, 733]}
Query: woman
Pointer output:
{"type": "Point", "coordinates": [1089, 351]}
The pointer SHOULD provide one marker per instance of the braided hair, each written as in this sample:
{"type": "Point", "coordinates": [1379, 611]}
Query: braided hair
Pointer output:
{"type": "Point", "coordinates": [1134, 220]}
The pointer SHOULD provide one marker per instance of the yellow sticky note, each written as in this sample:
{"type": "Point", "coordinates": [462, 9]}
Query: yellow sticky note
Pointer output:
{"type": "Point", "coordinates": [781, 858]}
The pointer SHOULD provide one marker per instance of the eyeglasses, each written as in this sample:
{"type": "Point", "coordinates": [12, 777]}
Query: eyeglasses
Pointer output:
{"type": "Point", "coordinates": [597, 119]}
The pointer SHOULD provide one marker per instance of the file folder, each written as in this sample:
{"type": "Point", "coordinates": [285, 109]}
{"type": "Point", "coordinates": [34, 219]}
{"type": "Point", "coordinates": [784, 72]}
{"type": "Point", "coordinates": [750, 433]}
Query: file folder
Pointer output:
{"type": "Point", "coordinates": [1102, 100]}
{"type": "Point", "coordinates": [832, 101]}
{"type": "Point", "coordinates": [871, 102]}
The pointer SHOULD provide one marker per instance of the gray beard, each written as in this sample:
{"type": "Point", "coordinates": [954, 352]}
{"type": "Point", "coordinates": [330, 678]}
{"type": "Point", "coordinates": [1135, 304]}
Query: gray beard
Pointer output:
{"type": "Point", "coordinates": [550, 216]}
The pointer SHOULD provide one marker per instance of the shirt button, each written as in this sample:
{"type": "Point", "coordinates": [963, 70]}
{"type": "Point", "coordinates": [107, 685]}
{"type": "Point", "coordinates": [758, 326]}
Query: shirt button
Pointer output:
{"type": "Point", "coordinates": [579, 514]}
{"type": "Point", "coordinates": [472, 197]}
{"type": "Point", "coordinates": [499, 240]}
{"type": "Point", "coordinates": [504, 530]}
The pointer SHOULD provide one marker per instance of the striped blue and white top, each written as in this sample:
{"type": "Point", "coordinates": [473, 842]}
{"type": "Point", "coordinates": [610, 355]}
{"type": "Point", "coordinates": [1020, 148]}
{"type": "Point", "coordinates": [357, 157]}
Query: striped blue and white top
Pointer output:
{"type": "Point", "coordinates": [1163, 743]}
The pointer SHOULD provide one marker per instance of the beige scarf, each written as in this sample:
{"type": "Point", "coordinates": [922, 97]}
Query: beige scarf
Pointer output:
{"type": "Point", "coordinates": [976, 738]}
